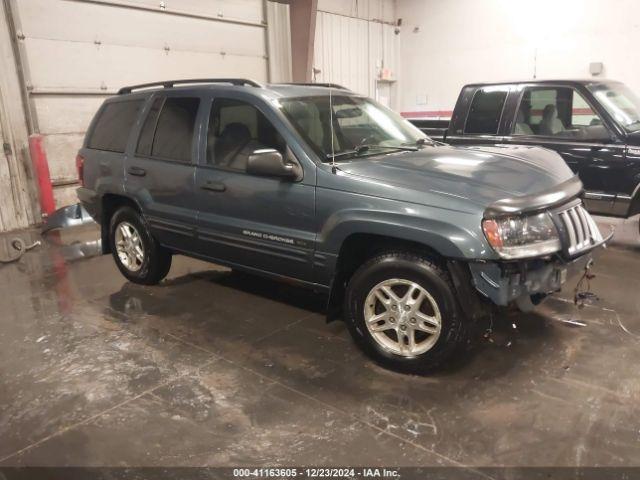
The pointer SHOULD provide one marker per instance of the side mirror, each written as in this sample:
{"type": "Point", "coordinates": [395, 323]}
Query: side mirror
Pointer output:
{"type": "Point", "coordinates": [270, 163]}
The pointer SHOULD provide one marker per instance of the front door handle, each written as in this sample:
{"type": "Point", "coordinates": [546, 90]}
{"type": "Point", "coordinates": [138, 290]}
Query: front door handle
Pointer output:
{"type": "Point", "coordinates": [137, 171]}
{"type": "Point", "coordinates": [214, 186]}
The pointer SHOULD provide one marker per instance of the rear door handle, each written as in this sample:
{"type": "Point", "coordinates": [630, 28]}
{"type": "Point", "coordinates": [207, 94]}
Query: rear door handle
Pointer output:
{"type": "Point", "coordinates": [214, 186]}
{"type": "Point", "coordinates": [137, 171]}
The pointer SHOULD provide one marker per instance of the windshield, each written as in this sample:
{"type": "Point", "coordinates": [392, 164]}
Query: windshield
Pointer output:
{"type": "Point", "coordinates": [357, 122]}
{"type": "Point", "coordinates": [620, 102]}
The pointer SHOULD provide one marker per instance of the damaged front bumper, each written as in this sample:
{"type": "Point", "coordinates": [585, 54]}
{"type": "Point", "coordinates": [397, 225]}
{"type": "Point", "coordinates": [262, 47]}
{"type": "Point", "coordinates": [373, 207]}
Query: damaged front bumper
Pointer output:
{"type": "Point", "coordinates": [517, 282]}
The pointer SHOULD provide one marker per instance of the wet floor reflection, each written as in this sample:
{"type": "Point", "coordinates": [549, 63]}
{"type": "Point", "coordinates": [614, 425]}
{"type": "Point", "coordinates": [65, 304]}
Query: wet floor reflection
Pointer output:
{"type": "Point", "coordinates": [216, 367]}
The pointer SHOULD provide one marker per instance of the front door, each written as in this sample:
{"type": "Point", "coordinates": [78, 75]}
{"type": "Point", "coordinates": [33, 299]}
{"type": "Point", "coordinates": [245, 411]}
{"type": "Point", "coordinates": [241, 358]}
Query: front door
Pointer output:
{"type": "Point", "coordinates": [263, 223]}
{"type": "Point", "coordinates": [160, 173]}
{"type": "Point", "coordinates": [561, 119]}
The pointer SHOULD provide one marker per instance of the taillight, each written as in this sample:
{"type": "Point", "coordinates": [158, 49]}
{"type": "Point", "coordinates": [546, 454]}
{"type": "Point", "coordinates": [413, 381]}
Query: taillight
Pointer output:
{"type": "Point", "coordinates": [80, 167]}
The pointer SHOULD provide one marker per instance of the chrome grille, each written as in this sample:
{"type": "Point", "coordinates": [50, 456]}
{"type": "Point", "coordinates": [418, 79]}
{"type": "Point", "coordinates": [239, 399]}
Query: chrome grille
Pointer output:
{"type": "Point", "coordinates": [582, 232]}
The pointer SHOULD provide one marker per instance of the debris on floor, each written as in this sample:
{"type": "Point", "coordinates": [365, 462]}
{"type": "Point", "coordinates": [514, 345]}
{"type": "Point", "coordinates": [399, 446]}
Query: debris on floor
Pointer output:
{"type": "Point", "coordinates": [20, 247]}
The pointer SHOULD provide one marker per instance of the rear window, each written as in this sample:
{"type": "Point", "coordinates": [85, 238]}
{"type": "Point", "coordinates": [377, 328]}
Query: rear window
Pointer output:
{"type": "Point", "coordinates": [168, 129]}
{"type": "Point", "coordinates": [486, 110]}
{"type": "Point", "coordinates": [113, 126]}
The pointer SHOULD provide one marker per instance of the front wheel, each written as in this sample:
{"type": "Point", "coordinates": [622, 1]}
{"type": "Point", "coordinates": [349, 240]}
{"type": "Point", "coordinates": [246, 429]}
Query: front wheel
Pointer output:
{"type": "Point", "coordinates": [138, 255]}
{"type": "Point", "coordinates": [401, 310]}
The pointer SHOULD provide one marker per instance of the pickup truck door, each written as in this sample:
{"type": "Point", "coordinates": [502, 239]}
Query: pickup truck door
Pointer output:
{"type": "Point", "coordinates": [597, 164]}
{"type": "Point", "coordinates": [559, 118]}
{"type": "Point", "coordinates": [262, 223]}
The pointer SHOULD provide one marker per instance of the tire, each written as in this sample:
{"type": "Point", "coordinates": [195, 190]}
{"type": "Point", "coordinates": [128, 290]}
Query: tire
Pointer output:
{"type": "Point", "coordinates": [430, 313]}
{"type": "Point", "coordinates": [148, 267]}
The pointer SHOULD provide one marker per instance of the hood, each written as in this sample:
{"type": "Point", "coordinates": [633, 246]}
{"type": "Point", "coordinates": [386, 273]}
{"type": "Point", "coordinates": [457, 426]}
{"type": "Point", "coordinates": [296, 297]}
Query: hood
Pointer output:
{"type": "Point", "coordinates": [482, 175]}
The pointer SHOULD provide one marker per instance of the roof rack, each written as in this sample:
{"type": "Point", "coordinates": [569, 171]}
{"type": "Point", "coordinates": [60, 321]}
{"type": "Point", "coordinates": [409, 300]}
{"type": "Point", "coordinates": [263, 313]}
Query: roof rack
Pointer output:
{"type": "Point", "coordinates": [172, 83]}
{"type": "Point", "coordinates": [312, 84]}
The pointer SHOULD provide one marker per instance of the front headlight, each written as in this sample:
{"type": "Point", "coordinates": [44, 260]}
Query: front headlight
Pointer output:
{"type": "Point", "coordinates": [522, 237]}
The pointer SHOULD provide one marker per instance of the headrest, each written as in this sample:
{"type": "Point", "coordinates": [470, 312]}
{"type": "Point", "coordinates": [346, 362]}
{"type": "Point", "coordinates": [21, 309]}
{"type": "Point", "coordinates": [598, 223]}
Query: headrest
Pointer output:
{"type": "Point", "coordinates": [236, 132]}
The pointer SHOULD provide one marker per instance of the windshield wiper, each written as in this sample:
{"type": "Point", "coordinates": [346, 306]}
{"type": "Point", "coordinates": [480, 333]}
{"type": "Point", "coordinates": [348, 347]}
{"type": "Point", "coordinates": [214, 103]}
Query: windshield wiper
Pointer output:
{"type": "Point", "coordinates": [360, 149]}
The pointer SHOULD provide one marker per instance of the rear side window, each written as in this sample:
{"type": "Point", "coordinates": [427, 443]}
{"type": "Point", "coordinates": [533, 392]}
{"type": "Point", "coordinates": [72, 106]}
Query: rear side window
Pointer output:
{"type": "Point", "coordinates": [486, 110]}
{"type": "Point", "coordinates": [168, 129]}
{"type": "Point", "coordinates": [113, 126]}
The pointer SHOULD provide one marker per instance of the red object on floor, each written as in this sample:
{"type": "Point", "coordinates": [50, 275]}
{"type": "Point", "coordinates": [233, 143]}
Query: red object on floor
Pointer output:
{"type": "Point", "coordinates": [41, 168]}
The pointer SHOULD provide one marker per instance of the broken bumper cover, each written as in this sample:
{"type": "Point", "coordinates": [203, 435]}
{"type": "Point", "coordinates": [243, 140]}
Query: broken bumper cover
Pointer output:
{"type": "Point", "coordinates": [504, 283]}
{"type": "Point", "coordinates": [65, 217]}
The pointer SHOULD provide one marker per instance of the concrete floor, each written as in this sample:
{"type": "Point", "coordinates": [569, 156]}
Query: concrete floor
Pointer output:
{"type": "Point", "coordinates": [218, 368]}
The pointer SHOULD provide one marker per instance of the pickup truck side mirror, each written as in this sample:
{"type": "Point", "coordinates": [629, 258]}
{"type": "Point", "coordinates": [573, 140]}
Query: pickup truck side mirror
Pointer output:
{"type": "Point", "coordinates": [270, 163]}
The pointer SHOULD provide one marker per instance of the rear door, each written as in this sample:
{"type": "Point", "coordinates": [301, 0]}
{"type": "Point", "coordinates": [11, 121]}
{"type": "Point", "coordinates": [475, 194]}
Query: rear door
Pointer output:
{"type": "Point", "coordinates": [560, 118]}
{"type": "Point", "coordinates": [263, 223]}
{"type": "Point", "coordinates": [478, 116]}
{"type": "Point", "coordinates": [160, 172]}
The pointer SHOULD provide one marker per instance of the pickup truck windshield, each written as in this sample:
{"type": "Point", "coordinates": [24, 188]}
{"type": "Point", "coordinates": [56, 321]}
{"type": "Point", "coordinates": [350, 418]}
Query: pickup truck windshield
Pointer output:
{"type": "Point", "coordinates": [620, 102]}
{"type": "Point", "coordinates": [361, 127]}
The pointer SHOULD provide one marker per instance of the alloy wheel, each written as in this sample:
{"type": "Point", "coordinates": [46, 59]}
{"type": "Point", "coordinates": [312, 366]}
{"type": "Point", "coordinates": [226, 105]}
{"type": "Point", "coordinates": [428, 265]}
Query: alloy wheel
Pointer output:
{"type": "Point", "coordinates": [129, 246]}
{"type": "Point", "coordinates": [402, 317]}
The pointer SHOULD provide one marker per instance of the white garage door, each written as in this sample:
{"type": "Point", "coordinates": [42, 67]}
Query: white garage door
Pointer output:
{"type": "Point", "coordinates": [78, 51]}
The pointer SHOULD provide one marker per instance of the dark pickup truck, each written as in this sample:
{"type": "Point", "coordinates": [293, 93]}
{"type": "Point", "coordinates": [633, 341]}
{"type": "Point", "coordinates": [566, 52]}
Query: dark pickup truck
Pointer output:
{"type": "Point", "coordinates": [593, 125]}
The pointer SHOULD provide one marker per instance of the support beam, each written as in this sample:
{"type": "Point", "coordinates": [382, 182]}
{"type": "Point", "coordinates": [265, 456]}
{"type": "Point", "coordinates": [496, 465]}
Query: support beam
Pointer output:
{"type": "Point", "coordinates": [302, 14]}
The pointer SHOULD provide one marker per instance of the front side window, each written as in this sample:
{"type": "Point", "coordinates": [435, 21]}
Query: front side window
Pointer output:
{"type": "Point", "coordinates": [113, 127]}
{"type": "Point", "coordinates": [168, 130]}
{"type": "Point", "coordinates": [621, 103]}
{"type": "Point", "coordinates": [557, 112]}
{"type": "Point", "coordinates": [485, 112]}
{"type": "Point", "coordinates": [236, 130]}
{"type": "Point", "coordinates": [360, 125]}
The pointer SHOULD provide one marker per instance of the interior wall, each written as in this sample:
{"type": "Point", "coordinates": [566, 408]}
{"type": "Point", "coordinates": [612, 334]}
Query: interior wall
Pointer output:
{"type": "Point", "coordinates": [448, 43]}
{"type": "Point", "coordinates": [356, 46]}
{"type": "Point", "coordinates": [77, 52]}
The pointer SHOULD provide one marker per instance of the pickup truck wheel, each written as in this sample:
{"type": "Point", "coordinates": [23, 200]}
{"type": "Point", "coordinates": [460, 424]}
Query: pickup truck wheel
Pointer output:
{"type": "Point", "coordinates": [401, 310]}
{"type": "Point", "coordinates": [138, 255]}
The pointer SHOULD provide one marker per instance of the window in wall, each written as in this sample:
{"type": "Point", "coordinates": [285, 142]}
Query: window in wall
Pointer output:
{"type": "Point", "coordinates": [557, 112]}
{"type": "Point", "coordinates": [172, 129]}
{"type": "Point", "coordinates": [485, 112]}
{"type": "Point", "coordinates": [114, 125]}
{"type": "Point", "coordinates": [236, 130]}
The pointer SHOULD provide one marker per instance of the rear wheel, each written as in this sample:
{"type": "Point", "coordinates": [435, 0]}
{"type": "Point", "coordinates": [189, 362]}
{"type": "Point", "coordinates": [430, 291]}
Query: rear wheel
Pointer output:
{"type": "Point", "coordinates": [138, 255]}
{"type": "Point", "coordinates": [401, 310]}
